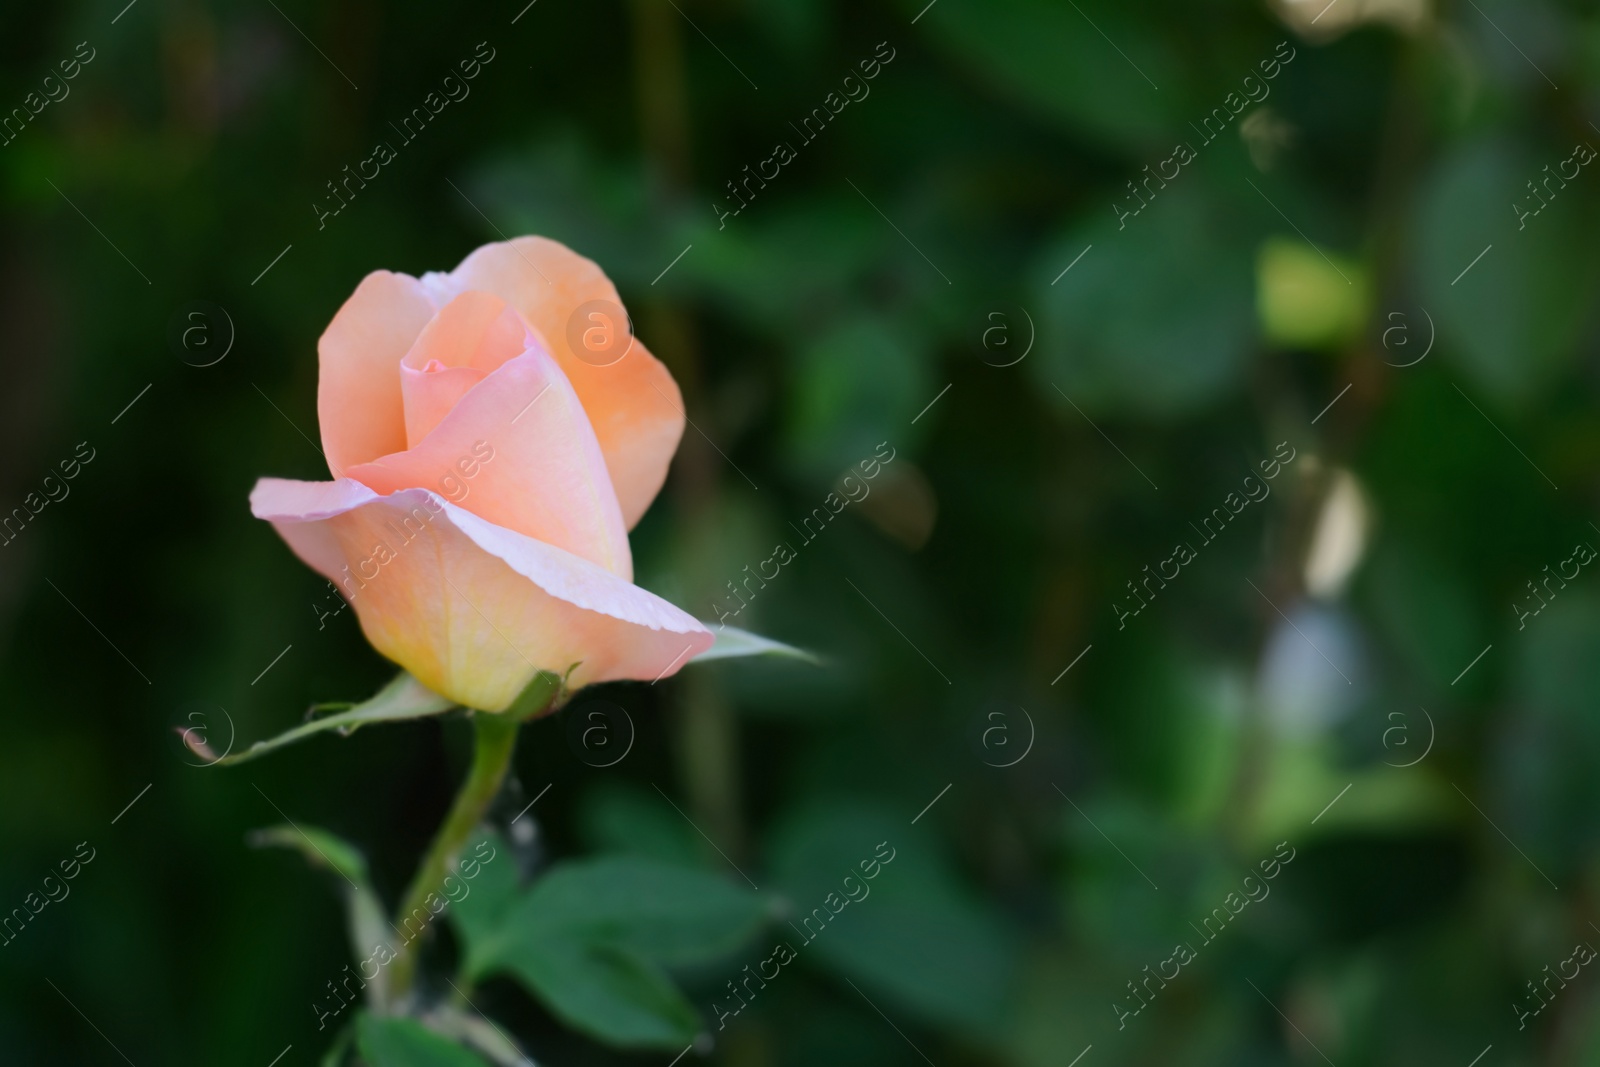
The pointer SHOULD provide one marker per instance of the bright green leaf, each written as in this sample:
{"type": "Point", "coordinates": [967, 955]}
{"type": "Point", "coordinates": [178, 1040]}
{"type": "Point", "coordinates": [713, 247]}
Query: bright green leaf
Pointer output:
{"type": "Point", "coordinates": [1307, 299]}
{"type": "Point", "coordinates": [395, 1042]}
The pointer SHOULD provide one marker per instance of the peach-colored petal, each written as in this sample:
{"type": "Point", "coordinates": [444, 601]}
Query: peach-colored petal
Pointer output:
{"type": "Point", "coordinates": [633, 403]}
{"type": "Point", "coordinates": [359, 405]}
{"type": "Point", "coordinates": [470, 337]}
{"type": "Point", "coordinates": [474, 329]}
{"type": "Point", "coordinates": [469, 608]}
{"type": "Point", "coordinates": [430, 393]}
{"type": "Point", "coordinates": [519, 451]}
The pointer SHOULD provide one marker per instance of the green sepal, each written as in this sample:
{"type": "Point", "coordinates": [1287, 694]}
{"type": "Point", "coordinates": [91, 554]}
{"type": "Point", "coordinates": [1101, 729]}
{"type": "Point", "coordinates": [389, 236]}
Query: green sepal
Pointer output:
{"type": "Point", "coordinates": [731, 643]}
{"type": "Point", "coordinates": [545, 693]}
{"type": "Point", "coordinates": [404, 698]}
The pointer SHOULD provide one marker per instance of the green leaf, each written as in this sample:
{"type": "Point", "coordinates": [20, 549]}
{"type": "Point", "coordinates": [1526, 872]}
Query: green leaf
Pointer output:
{"type": "Point", "coordinates": [319, 847]}
{"type": "Point", "coordinates": [731, 642]}
{"type": "Point", "coordinates": [916, 936]}
{"type": "Point", "coordinates": [477, 1033]}
{"type": "Point", "coordinates": [335, 1056]}
{"type": "Point", "coordinates": [668, 914]}
{"type": "Point", "coordinates": [403, 698]}
{"type": "Point", "coordinates": [612, 995]}
{"type": "Point", "coordinates": [1420, 600]}
{"type": "Point", "coordinates": [1306, 298]}
{"type": "Point", "coordinates": [1050, 56]}
{"type": "Point", "coordinates": [590, 940]}
{"type": "Point", "coordinates": [618, 817]}
{"type": "Point", "coordinates": [1157, 317]}
{"type": "Point", "coordinates": [1557, 672]}
{"type": "Point", "coordinates": [828, 257]}
{"type": "Point", "coordinates": [395, 1042]}
{"type": "Point", "coordinates": [1514, 319]}
{"type": "Point", "coordinates": [858, 382]}
{"type": "Point", "coordinates": [493, 892]}
{"type": "Point", "coordinates": [369, 923]}
{"type": "Point", "coordinates": [562, 190]}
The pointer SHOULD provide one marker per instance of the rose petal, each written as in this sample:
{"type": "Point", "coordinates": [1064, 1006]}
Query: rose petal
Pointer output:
{"type": "Point", "coordinates": [359, 405]}
{"type": "Point", "coordinates": [633, 403]}
{"type": "Point", "coordinates": [471, 609]}
{"type": "Point", "coordinates": [430, 394]}
{"type": "Point", "coordinates": [519, 451]}
{"type": "Point", "coordinates": [470, 337]}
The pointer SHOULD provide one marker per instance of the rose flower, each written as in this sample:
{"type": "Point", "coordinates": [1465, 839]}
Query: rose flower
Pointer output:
{"type": "Point", "coordinates": [493, 433]}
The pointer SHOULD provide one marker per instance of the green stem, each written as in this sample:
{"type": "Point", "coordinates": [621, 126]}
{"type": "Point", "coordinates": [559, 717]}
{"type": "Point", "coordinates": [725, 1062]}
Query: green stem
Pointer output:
{"type": "Point", "coordinates": [495, 740]}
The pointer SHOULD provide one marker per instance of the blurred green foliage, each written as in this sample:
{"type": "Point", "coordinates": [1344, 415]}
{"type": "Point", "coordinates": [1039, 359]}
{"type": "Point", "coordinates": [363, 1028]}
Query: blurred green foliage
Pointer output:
{"type": "Point", "coordinates": [1176, 352]}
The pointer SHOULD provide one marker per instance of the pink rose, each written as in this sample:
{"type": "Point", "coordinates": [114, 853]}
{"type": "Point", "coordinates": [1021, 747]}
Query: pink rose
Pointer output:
{"type": "Point", "coordinates": [486, 477]}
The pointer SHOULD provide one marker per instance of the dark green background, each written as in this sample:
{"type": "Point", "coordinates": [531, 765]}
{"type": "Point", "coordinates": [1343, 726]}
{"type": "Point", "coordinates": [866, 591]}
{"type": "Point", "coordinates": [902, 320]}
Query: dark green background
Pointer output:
{"type": "Point", "coordinates": [803, 333]}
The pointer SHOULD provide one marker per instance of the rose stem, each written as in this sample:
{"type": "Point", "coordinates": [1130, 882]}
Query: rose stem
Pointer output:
{"type": "Point", "coordinates": [495, 736]}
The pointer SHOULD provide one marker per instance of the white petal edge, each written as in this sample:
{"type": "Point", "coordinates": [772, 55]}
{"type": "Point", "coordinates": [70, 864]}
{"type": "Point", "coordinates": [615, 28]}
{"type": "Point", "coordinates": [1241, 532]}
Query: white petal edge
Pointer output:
{"type": "Point", "coordinates": [297, 509]}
